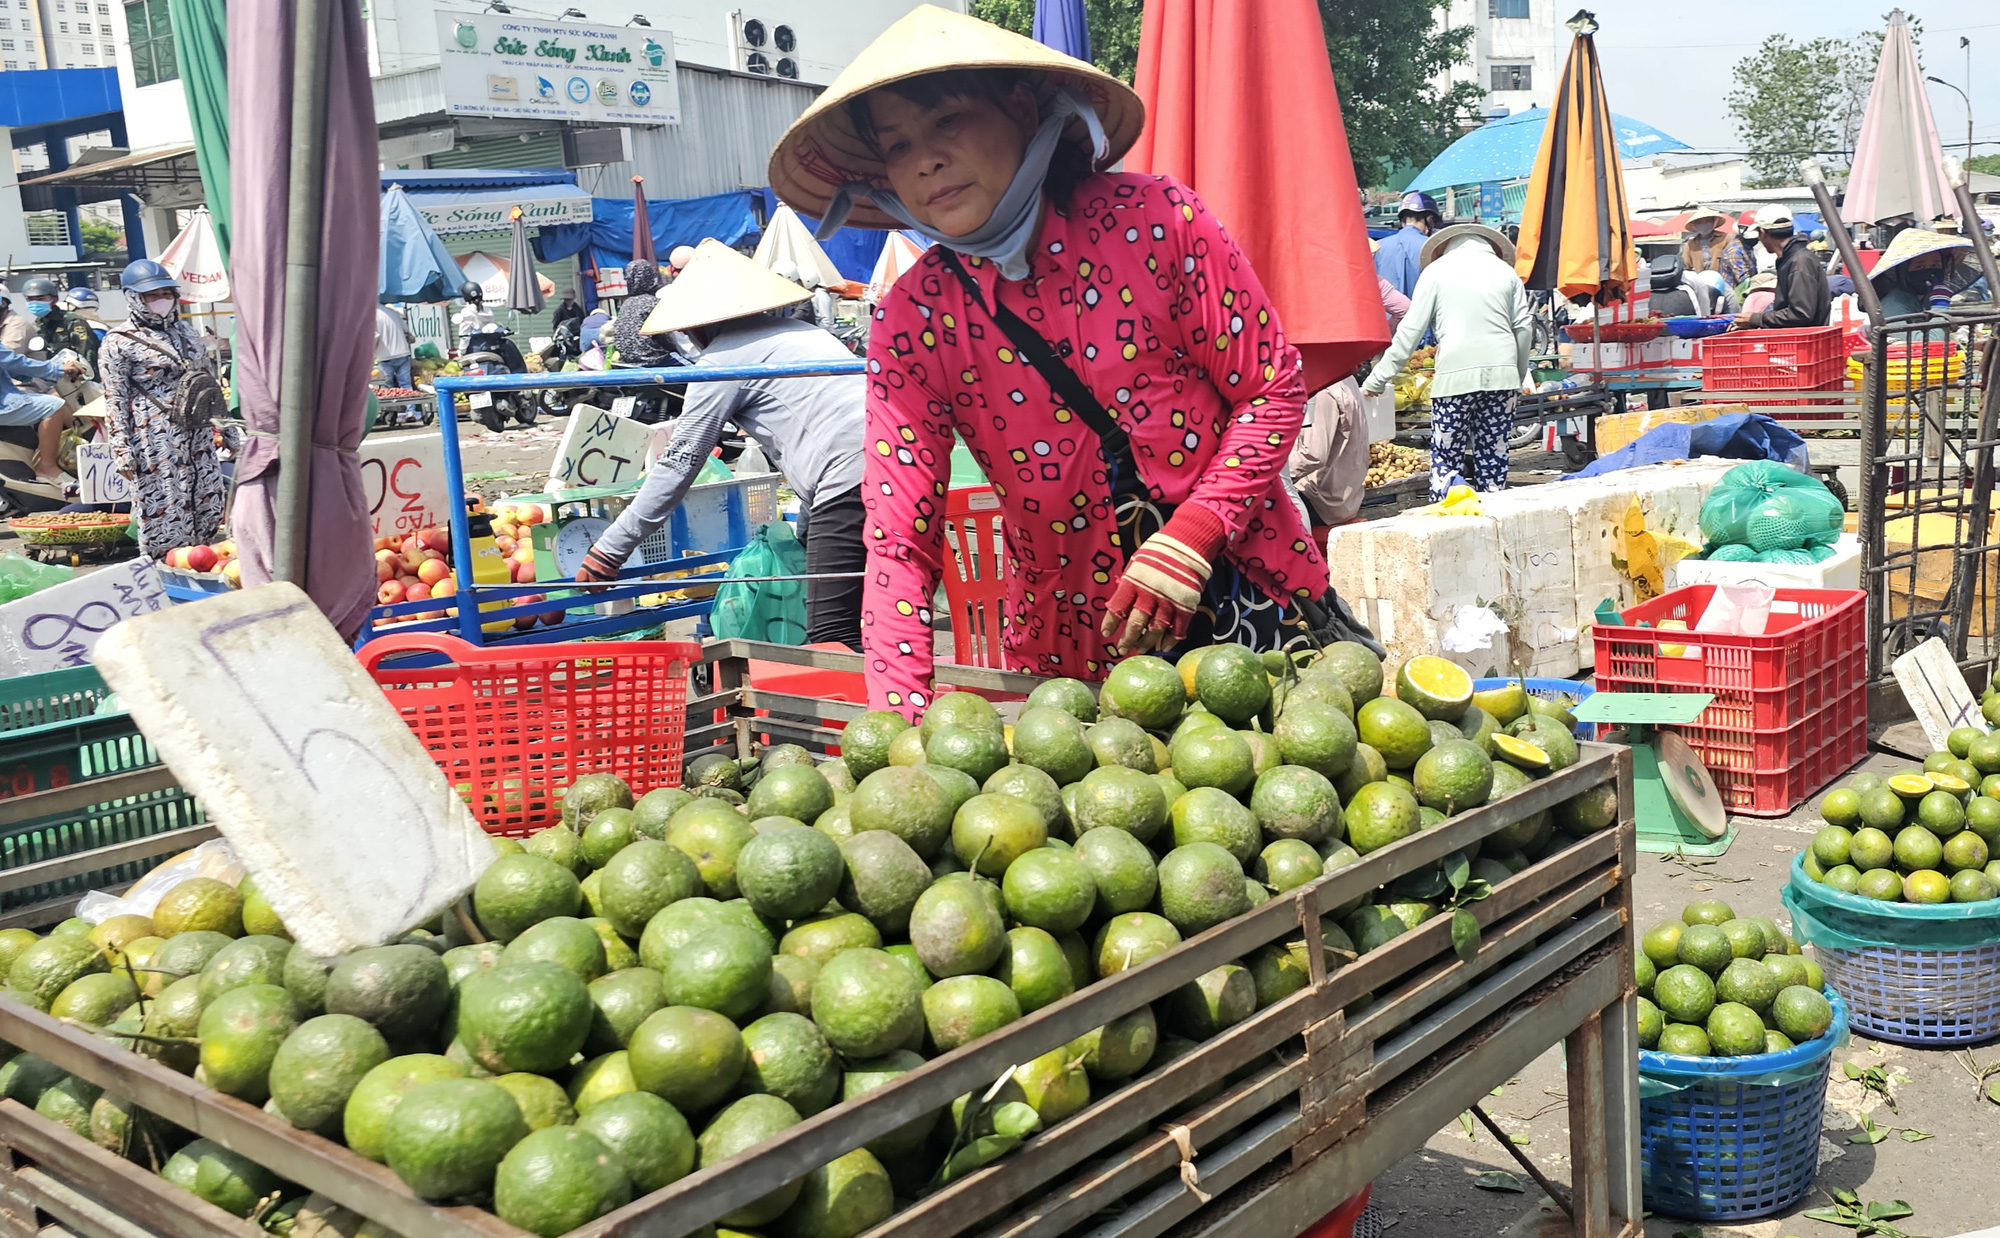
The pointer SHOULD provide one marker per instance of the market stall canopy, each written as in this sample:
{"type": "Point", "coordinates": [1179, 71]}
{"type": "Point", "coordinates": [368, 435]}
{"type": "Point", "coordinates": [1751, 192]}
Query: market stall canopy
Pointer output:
{"type": "Point", "coordinates": [1245, 110]}
{"type": "Point", "coordinates": [1669, 225]}
{"type": "Point", "coordinates": [788, 240]}
{"type": "Point", "coordinates": [900, 251]}
{"type": "Point", "coordinates": [1504, 149]}
{"type": "Point", "coordinates": [606, 241]}
{"type": "Point", "coordinates": [479, 200]}
{"type": "Point", "coordinates": [495, 276]}
{"type": "Point", "coordinates": [415, 264]}
{"type": "Point", "coordinates": [1898, 166]}
{"type": "Point", "coordinates": [195, 259]}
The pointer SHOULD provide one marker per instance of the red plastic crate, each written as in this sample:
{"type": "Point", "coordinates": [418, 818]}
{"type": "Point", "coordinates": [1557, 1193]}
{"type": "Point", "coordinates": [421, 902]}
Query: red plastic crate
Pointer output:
{"type": "Point", "coordinates": [1789, 705]}
{"type": "Point", "coordinates": [1793, 359]}
{"type": "Point", "coordinates": [512, 726]}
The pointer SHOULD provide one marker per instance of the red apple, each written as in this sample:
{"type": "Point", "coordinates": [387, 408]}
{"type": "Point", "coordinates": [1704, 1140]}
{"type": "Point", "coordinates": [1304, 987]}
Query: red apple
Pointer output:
{"type": "Point", "coordinates": [410, 560]}
{"type": "Point", "coordinates": [437, 539]}
{"type": "Point", "coordinates": [530, 514]}
{"type": "Point", "coordinates": [506, 528]}
{"type": "Point", "coordinates": [385, 570]}
{"type": "Point", "coordinates": [432, 556]}
{"type": "Point", "coordinates": [445, 588]}
{"type": "Point", "coordinates": [385, 543]}
{"type": "Point", "coordinates": [389, 593]}
{"type": "Point", "coordinates": [433, 571]}
{"type": "Point", "coordinates": [505, 543]}
{"type": "Point", "coordinates": [524, 573]}
{"type": "Point", "coordinates": [552, 618]}
{"type": "Point", "coordinates": [416, 591]}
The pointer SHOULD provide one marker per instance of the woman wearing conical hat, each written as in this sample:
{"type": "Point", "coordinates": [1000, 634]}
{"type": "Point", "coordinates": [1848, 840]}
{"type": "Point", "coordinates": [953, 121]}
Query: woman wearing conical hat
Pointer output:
{"type": "Point", "coordinates": [1097, 340]}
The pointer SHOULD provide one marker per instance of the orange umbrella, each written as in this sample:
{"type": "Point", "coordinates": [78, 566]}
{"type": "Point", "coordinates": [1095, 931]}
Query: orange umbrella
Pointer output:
{"type": "Point", "coordinates": [1241, 105]}
{"type": "Point", "coordinates": [1575, 232]}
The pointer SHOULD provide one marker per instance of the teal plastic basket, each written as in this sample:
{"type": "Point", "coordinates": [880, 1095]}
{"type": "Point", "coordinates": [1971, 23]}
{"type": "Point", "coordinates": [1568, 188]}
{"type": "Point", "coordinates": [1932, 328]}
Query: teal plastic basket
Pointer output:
{"type": "Point", "coordinates": [52, 736]}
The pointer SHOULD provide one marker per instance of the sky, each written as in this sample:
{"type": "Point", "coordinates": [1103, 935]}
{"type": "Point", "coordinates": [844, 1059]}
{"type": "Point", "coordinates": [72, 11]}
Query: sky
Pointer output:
{"type": "Point", "coordinates": [1669, 65]}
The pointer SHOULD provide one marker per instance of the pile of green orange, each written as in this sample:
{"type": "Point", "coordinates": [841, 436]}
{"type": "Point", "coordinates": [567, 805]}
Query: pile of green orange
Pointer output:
{"type": "Point", "coordinates": [1712, 984]}
{"type": "Point", "coordinates": [1920, 836]}
{"type": "Point", "coordinates": [671, 978]}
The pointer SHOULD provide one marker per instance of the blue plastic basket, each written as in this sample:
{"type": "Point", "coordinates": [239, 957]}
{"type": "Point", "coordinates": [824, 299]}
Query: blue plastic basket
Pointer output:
{"type": "Point", "coordinates": [1689, 327]}
{"type": "Point", "coordinates": [1547, 689]}
{"type": "Point", "coordinates": [1724, 1149]}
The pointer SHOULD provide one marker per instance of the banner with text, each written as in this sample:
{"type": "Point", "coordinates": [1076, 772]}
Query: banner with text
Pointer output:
{"type": "Point", "coordinates": [501, 64]}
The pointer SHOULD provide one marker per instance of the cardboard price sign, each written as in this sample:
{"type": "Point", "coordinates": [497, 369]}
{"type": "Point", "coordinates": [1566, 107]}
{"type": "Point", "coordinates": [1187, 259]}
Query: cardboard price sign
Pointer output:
{"type": "Point", "coordinates": [59, 627]}
{"type": "Point", "coordinates": [262, 711]}
{"type": "Point", "coordinates": [403, 477]}
{"type": "Point", "coordinates": [599, 449]}
{"type": "Point", "coordinates": [97, 477]}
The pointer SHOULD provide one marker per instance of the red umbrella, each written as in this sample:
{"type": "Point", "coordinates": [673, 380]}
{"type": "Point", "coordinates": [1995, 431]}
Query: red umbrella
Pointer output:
{"type": "Point", "coordinates": [1241, 105]}
{"type": "Point", "coordinates": [642, 223]}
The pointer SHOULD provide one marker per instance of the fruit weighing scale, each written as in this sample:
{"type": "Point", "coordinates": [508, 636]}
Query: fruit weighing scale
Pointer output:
{"type": "Point", "coordinates": [1675, 802]}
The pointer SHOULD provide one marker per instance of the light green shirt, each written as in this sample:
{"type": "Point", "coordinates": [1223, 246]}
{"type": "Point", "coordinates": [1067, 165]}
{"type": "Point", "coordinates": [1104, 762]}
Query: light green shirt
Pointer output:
{"type": "Point", "coordinates": [1479, 310]}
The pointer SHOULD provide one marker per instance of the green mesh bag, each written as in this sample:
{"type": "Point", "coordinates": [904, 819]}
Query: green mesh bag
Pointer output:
{"type": "Point", "coordinates": [1733, 552]}
{"type": "Point", "coordinates": [1770, 506]}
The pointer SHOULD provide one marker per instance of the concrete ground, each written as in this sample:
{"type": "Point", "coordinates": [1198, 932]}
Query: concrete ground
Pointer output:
{"type": "Point", "coordinates": [1942, 1176]}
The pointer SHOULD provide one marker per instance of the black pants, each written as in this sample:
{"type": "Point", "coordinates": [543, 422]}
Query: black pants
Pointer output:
{"type": "Point", "coordinates": [831, 531]}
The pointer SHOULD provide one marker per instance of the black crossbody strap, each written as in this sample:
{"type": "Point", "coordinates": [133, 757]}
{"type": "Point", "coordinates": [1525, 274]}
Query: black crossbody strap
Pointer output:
{"type": "Point", "coordinates": [1061, 379]}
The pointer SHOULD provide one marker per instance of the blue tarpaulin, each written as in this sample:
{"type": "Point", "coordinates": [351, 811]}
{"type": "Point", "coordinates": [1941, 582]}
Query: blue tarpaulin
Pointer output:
{"type": "Point", "coordinates": [1738, 436]}
{"type": "Point", "coordinates": [853, 250]}
{"type": "Point", "coordinates": [728, 217]}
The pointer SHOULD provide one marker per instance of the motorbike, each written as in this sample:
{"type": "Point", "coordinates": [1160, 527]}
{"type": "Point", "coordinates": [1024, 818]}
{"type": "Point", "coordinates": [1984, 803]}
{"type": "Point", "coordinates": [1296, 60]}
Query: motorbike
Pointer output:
{"type": "Point", "coordinates": [21, 491]}
{"type": "Point", "coordinates": [491, 352]}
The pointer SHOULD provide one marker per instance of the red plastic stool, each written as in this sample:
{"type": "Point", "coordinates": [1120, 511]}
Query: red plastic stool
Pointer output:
{"type": "Point", "coordinates": [1340, 1222]}
{"type": "Point", "coordinates": [975, 586]}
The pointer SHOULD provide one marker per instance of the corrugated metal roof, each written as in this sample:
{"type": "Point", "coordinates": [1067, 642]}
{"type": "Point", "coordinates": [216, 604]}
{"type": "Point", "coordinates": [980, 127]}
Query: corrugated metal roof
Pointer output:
{"type": "Point", "coordinates": [406, 96]}
{"type": "Point", "coordinates": [511, 178]}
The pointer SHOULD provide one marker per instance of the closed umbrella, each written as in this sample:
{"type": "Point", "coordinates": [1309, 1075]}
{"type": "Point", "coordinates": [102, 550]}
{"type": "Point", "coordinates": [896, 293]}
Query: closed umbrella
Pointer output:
{"type": "Point", "coordinates": [523, 294]}
{"type": "Point", "coordinates": [200, 29]}
{"type": "Point", "coordinates": [1898, 166]}
{"type": "Point", "coordinates": [1241, 105]}
{"type": "Point", "coordinates": [305, 333]}
{"type": "Point", "coordinates": [642, 223]}
{"type": "Point", "coordinates": [1060, 24]}
{"type": "Point", "coordinates": [415, 264]}
{"type": "Point", "coordinates": [786, 239]}
{"type": "Point", "coordinates": [1575, 230]}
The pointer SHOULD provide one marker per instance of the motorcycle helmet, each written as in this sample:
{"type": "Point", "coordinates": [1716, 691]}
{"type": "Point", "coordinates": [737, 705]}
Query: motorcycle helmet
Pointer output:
{"type": "Point", "coordinates": [82, 296]}
{"type": "Point", "coordinates": [40, 286]}
{"type": "Point", "coordinates": [471, 293]}
{"type": "Point", "coordinates": [146, 275]}
{"type": "Point", "coordinates": [1415, 203]}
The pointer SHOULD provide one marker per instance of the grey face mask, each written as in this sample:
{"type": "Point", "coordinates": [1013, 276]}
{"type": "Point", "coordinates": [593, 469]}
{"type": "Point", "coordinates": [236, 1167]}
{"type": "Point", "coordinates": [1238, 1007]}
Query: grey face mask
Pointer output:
{"type": "Point", "coordinates": [1004, 237]}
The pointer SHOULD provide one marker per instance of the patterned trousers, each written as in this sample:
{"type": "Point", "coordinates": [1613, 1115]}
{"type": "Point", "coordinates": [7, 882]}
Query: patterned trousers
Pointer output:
{"type": "Point", "coordinates": [1475, 424]}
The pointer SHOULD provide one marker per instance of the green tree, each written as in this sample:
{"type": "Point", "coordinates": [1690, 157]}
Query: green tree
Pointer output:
{"type": "Point", "coordinates": [1859, 58]}
{"type": "Point", "coordinates": [1387, 58]}
{"type": "Point", "coordinates": [100, 237]}
{"type": "Point", "coordinates": [1789, 102]}
{"type": "Point", "coordinates": [1989, 164]}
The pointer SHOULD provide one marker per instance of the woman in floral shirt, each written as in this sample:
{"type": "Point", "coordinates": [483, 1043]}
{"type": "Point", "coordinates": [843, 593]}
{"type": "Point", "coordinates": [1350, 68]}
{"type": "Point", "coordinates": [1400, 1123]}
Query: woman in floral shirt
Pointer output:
{"type": "Point", "coordinates": [1141, 295]}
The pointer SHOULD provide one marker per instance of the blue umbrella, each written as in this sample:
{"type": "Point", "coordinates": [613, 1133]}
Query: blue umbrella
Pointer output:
{"type": "Point", "coordinates": [415, 264]}
{"type": "Point", "coordinates": [1504, 149]}
{"type": "Point", "coordinates": [1060, 24]}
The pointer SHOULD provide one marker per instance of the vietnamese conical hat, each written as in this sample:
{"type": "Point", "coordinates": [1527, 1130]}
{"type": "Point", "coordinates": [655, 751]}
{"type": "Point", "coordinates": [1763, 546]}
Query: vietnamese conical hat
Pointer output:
{"type": "Point", "coordinates": [719, 284]}
{"type": "Point", "coordinates": [822, 151]}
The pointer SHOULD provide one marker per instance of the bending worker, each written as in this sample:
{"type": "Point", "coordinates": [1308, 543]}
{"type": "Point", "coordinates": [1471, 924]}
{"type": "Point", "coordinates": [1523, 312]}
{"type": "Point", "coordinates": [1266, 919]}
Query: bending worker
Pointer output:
{"type": "Point", "coordinates": [726, 307]}
{"type": "Point", "coordinates": [1053, 325]}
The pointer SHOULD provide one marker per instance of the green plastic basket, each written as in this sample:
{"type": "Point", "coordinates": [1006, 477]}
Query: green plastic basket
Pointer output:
{"type": "Point", "coordinates": [52, 736]}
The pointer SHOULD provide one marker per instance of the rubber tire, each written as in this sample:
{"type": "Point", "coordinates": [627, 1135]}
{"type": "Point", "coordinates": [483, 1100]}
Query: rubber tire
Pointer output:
{"type": "Point", "coordinates": [493, 417]}
{"type": "Point", "coordinates": [525, 413]}
{"type": "Point", "coordinates": [1524, 435]}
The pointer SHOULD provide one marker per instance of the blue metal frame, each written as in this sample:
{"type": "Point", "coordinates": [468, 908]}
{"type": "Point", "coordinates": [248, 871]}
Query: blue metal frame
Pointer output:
{"type": "Point", "coordinates": [469, 595]}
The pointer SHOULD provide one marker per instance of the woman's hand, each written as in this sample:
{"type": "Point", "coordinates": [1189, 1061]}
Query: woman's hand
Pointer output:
{"type": "Point", "coordinates": [596, 569]}
{"type": "Point", "coordinates": [1161, 589]}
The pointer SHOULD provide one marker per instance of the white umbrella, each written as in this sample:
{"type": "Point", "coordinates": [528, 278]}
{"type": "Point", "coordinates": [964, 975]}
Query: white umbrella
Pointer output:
{"type": "Point", "coordinates": [494, 275]}
{"type": "Point", "coordinates": [786, 239]}
{"type": "Point", "coordinates": [195, 260]}
{"type": "Point", "coordinates": [1898, 165]}
{"type": "Point", "coordinates": [899, 254]}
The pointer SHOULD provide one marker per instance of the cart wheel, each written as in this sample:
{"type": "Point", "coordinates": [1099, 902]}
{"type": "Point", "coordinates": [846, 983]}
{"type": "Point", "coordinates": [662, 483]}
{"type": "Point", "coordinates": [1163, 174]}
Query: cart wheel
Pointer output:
{"type": "Point", "coordinates": [1576, 452]}
{"type": "Point", "coordinates": [1524, 435]}
{"type": "Point", "coordinates": [493, 417]}
{"type": "Point", "coordinates": [426, 416]}
{"type": "Point", "coordinates": [1831, 476]}
{"type": "Point", "coordinates": [524, 413]}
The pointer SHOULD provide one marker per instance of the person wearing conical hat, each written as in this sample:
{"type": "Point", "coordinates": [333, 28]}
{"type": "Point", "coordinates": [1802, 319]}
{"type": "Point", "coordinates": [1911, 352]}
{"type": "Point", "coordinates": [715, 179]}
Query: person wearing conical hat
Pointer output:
{"type": "Point", "coordinates": [1711, 245]}
{"type": "Point", "coordinates": [726, 310]}
{"type": "Point", "coordinates": [1098, 341]}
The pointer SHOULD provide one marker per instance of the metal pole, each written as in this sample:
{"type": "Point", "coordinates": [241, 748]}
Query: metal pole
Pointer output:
{"type": "Point", "coordinates": [298, 374]}
{"type": "Point", "coordinates": [1864, 291]}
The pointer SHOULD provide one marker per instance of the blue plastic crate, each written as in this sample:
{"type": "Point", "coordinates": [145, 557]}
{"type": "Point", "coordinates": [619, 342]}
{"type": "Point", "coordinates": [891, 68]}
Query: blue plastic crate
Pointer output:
{"type": "Point", "coordinates": [1726, 1146]}
{"type": "Point", "coordinates": [52, 735]}
{"type": "Point", "coordinates": [1547, 689]}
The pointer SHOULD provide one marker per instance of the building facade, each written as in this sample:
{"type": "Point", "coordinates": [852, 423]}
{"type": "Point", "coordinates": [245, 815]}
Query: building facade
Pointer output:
{"type": "Point", "coordinates": [1513, 50]}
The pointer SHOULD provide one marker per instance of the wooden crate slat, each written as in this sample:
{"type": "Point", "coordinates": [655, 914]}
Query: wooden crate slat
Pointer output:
{"type": "Point", "coordinates": [1228, 1165]}
{"type": "Point", "coordinates": [95, 1192]}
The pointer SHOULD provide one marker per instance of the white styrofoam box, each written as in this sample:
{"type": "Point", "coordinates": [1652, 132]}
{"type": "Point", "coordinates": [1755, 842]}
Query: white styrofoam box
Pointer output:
{"type": "Point", "coordinates": [1683, 350]}
{"type": "Point", "coordinates": [1842, 571]}
{"type": "Point", "coordinates": [1583, 357]}
{"type": "Point", "coordinates": [60, 626]}
{"type": "Point", "coordinates": [1635, 307]}
{"type": "Point", "coordinates": [1657, 352]}
{"type": "Point", "coordinates": [1615, 356]}
{"type": "Point", "coordinates": [1539, 569]}
{"type": "Point", "coordinates": [1594, 508]}
{"type": "Point", "coordinates": [1408, 578]}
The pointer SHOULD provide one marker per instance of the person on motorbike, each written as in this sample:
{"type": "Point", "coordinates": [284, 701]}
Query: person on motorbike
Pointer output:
{"type": "Point", "coordinates": [177, 482]}
{"type": "Point", "coordinates": [33, 408]}
{"type": "Point", "coordinates": [568, 310]}
{"type": "Point", "coordinates": [56, 328]}
{"type": "Point", "coordinates": [811, 429]}
{"type": "Point", "coordinates": [478, 332]}
{"type": "Point", "coordinates": [642, 283]}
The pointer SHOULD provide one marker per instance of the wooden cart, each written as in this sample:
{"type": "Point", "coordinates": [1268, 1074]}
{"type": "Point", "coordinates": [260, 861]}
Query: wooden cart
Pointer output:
{"type": "Point", "coordinates": [1261, 1129]}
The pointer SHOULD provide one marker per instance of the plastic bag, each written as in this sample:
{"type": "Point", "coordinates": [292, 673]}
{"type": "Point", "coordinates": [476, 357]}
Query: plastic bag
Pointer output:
{"type": "Point", "coordinates": [21, 576]}
{"type": "Point", "coordinates": [713, 469]}
{"type": "Point", "coordinates": [766, 610]}
{"type": "Point", "coordinates": [211, 859]}
{"type": "Point", "coordinates": [1831, 920]}
{"type": "Point", "coordinates": [1768, 506]}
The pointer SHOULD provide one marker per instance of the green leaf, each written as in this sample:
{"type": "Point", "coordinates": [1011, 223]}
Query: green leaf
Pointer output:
{"type": "Point", "coordinates": [1476, 889]}
{"type": "Point", "coordinates": [1465, 935]}
{"type": "Point", "coordinates": [1457, 870]}
{"type": "Point", "coordinates": [1847, 1197]}
{"type": "Point", "coordinates": [1913, 1135]}
{"type": "Point", "coordinates": [1465, 1120]}
{"type": "Point", "coordinates": [1498, 1180]}
{"type": "Point", "coordinates": [1993, 1092]}
{"type": "Point", "coordinates": [1894, 1210]}
{"type": "Point", "coordinates": [1519, 1137]}
{"type": "Point", "coordinates": [1851, 1070]}
{"type": "Point", "coordinates": [1832, 1216]}
{"type": "Point", "coordinates": [1869, 1134]}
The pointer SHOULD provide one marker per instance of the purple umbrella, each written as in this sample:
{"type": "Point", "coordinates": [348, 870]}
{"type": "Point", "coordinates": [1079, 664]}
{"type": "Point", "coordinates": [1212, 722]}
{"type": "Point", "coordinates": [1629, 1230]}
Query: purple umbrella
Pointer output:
{"type": "Point", "coordinates": [1060, 24]}
{"type": "Point", "coordinates": [304, 328]}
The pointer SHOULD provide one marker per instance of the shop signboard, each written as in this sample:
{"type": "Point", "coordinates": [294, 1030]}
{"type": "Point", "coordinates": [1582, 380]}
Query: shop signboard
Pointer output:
{"type": "Point", "coordinates": [506, 64]}
{"type": "Point", "coordinates": [57, 628]}
{"type": "Point", "coordinates": [402, 476]}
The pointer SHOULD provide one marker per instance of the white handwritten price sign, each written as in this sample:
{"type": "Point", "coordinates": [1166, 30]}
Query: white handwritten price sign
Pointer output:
{"type": "Point", "coordinates": [403, 478]}
{"type": "Point", "coordinates": [97, 477]}
{"type": "Point", "coordinates": [260, 709]}
{"type": "Point", "coordinates": [599, 449]}
{"type": "Point", "coordinates": [58, 627]}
